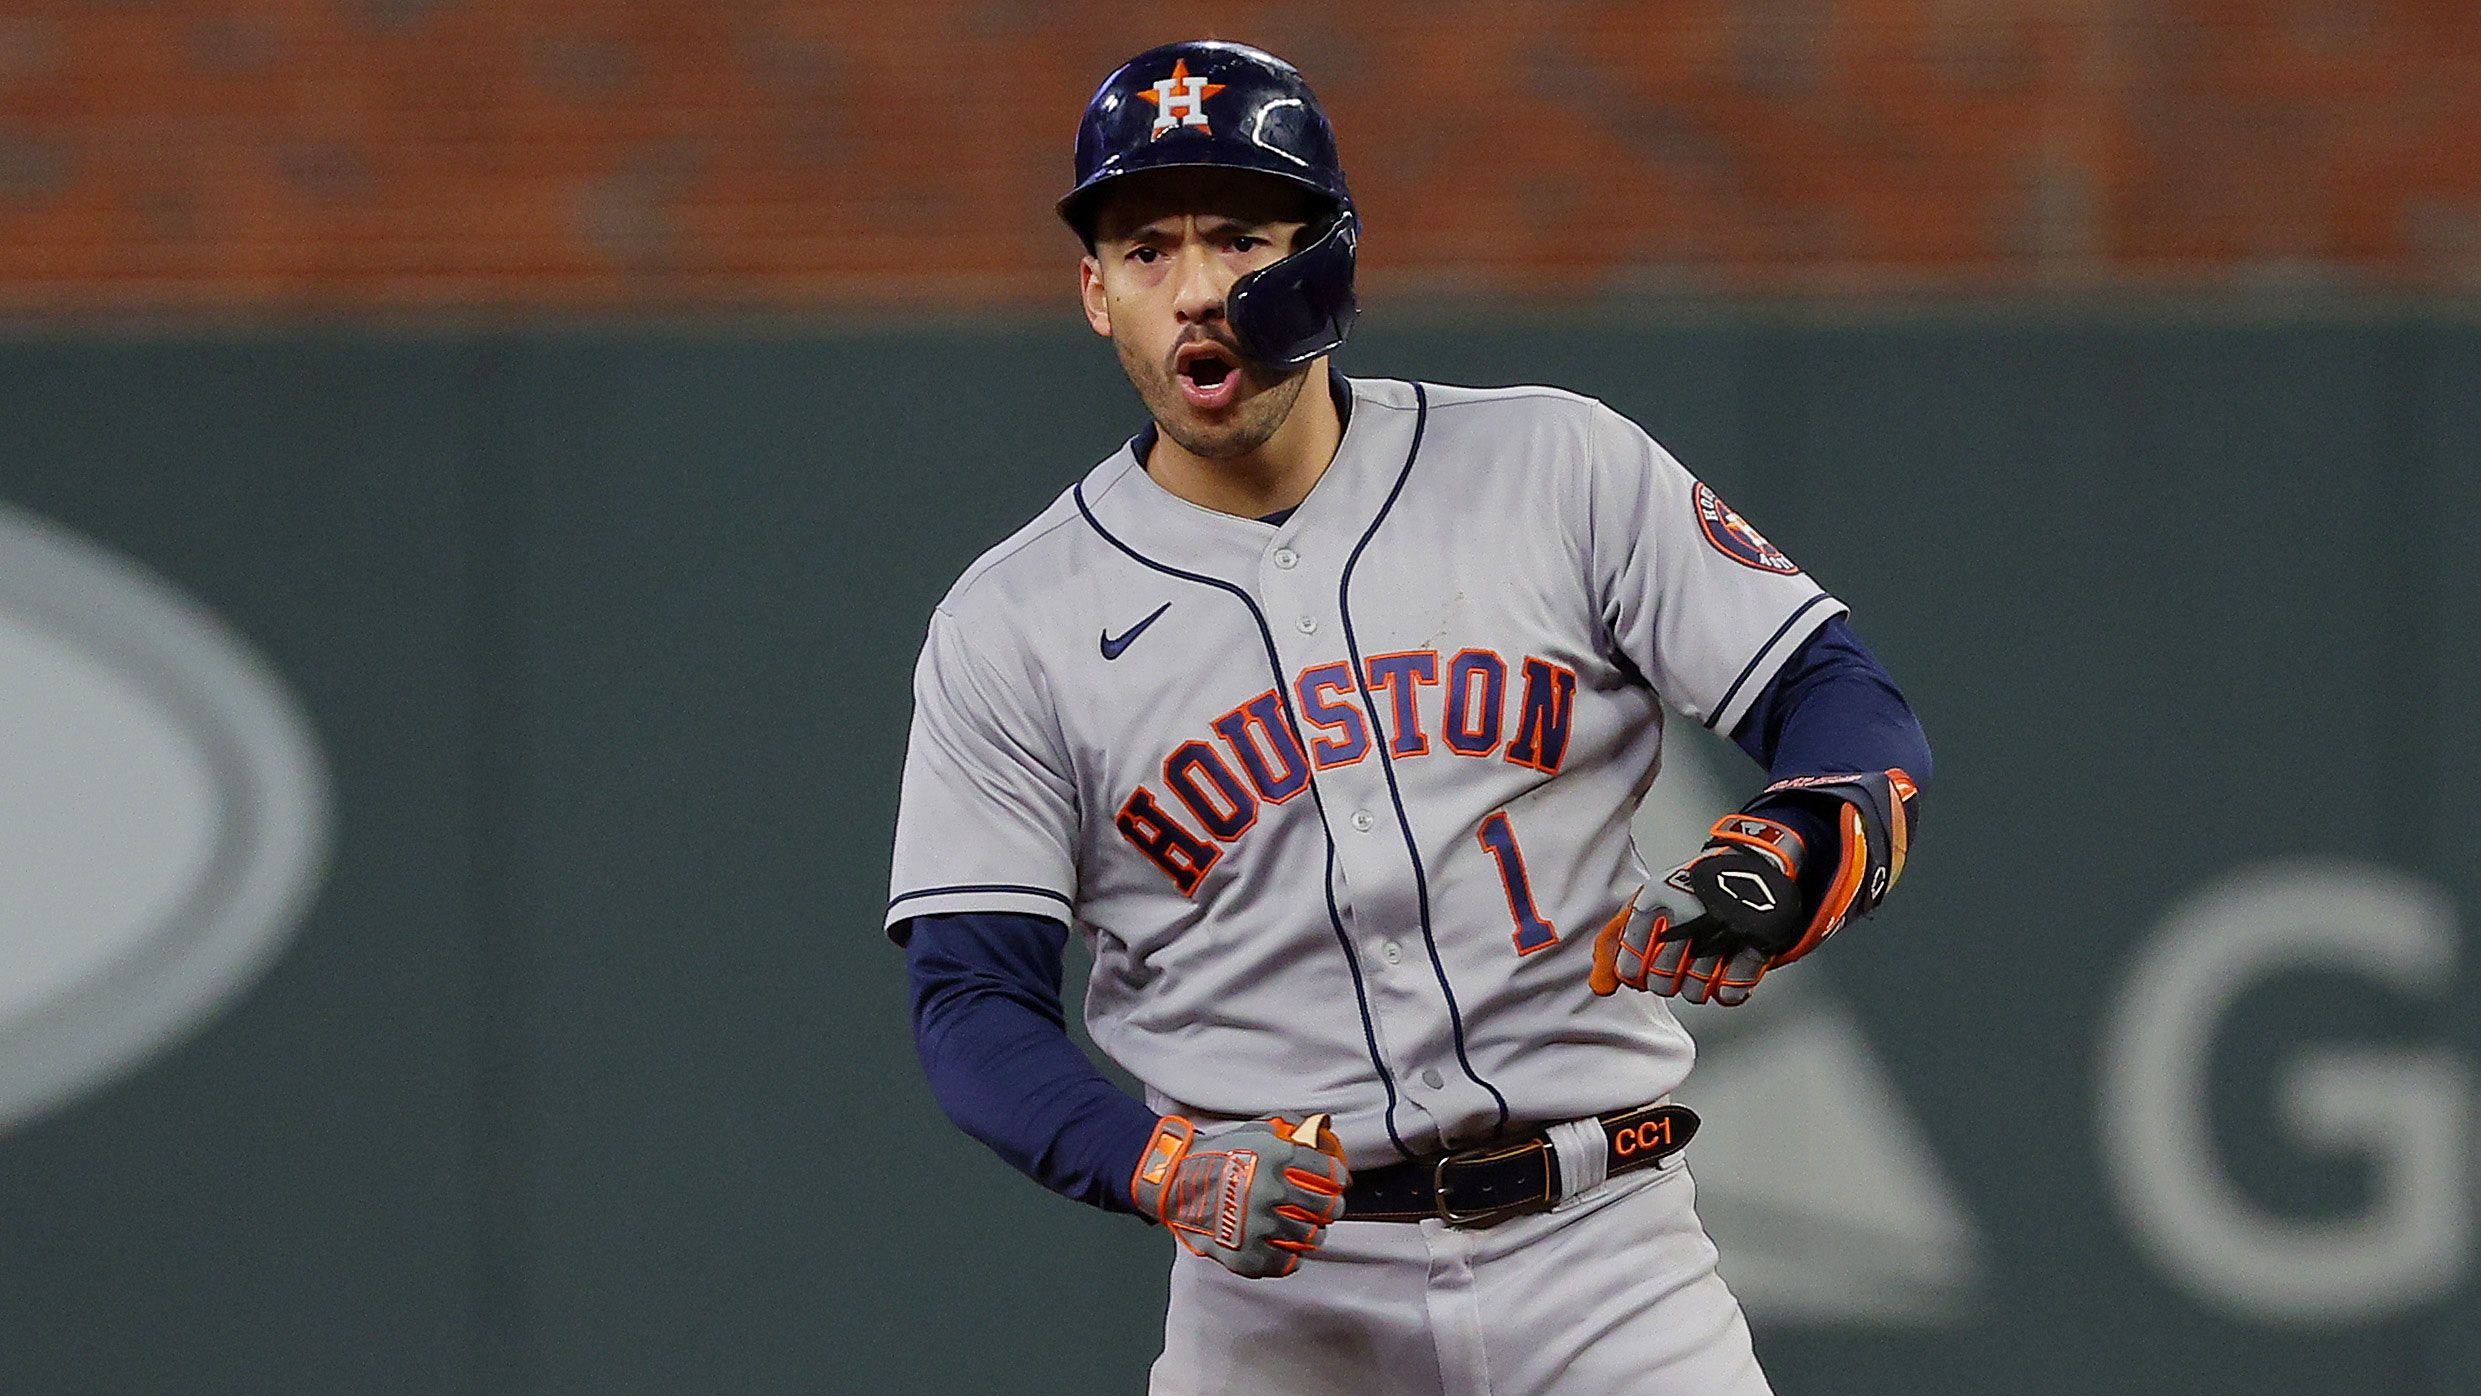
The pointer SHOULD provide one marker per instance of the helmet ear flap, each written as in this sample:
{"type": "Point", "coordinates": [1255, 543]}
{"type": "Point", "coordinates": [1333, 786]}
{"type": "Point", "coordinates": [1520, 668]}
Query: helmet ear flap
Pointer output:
{"type": "Point", "coordinates": [1291, 311]}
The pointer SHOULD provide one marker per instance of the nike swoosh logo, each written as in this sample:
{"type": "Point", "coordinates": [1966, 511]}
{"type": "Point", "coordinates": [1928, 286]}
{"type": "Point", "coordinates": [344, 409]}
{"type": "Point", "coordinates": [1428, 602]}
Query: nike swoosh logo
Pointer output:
{"type": "Point", "coordinates": [1112, 646]}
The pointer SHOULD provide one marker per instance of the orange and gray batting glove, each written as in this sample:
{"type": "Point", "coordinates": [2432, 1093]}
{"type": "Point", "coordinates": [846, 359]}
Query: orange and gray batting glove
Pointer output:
{"type": "Point", "coordinates": [1713, 927]}
{"type": "Point", "coordinates": [1254, 1197]}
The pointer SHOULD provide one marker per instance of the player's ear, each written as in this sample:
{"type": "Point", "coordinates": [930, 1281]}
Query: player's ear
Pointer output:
{"type": "Point", "coordinates": [1090, 289]}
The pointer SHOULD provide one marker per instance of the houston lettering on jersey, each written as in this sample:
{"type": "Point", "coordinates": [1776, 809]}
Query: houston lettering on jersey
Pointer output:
{"type": "Point", "coordinates": [1217, 787]}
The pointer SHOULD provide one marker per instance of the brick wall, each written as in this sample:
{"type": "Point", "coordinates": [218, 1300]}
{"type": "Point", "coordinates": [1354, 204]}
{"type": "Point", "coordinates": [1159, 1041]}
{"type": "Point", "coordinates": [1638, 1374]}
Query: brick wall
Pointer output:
{"type": "Point", "coordinates": [592, 153]}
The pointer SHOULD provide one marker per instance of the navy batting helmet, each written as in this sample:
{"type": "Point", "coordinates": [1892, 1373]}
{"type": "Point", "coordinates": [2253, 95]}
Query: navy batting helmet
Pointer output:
{"type": "Point", "coordinates": [1206, 103]}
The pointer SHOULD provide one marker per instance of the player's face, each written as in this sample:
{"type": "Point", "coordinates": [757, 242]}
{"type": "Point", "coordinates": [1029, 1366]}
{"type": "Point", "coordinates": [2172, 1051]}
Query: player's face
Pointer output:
{"type": "Point", "coordinates": [1166, 252]}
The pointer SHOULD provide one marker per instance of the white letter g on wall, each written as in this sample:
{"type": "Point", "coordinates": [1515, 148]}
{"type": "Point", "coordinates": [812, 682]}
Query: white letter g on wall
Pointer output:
{"type": "Point", "coordinates": [2404, 1110]}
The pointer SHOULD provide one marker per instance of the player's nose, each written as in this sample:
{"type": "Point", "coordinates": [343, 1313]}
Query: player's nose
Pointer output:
{"type": "Point", "coordinates": [1198, 284]}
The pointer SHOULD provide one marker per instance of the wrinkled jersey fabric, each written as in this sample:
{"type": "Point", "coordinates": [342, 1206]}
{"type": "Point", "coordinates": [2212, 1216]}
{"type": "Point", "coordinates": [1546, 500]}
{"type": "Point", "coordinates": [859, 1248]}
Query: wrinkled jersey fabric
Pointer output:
{"type": "Point", "coordinates": [988, 1019]}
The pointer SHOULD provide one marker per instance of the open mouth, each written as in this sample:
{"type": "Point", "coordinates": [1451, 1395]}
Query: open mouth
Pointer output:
{"type": "Point", "coordinates": [1209, 375]}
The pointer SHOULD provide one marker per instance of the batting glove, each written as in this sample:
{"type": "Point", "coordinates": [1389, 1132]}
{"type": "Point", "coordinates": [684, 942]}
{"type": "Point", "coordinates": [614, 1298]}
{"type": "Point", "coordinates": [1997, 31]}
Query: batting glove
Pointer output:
{"type": "Point", "coordinates": [1713, 927]}
{"type": "Point", "coordinates": [1254, 1197]}
{"type": "Point", "coordinates": [1710, 929]}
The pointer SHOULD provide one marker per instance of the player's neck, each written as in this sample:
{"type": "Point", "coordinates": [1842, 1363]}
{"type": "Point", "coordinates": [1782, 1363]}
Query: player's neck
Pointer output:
{"type": "Point", "coordinates": [1276, 476]}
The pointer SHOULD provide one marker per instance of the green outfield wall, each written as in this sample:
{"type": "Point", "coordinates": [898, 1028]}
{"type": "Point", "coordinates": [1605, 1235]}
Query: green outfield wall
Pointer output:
{"type": "Point", "coordinates": [586, 1068]}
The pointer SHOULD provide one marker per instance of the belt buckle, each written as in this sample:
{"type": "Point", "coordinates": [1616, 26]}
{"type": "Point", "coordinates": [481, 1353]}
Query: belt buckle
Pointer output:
{"type": "Point", "coordinates": [1487, 1216]}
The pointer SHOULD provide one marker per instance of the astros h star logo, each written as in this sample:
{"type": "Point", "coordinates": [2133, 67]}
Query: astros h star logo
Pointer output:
{"type": "Point", "coordinates": [1180, 100]}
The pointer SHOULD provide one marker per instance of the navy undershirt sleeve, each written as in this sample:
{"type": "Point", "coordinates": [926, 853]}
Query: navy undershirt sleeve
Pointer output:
{"type": "Point", "coordinates": [1832, 708]}
{"type": "Point", "coordinates": [988, 1024]}
{"type": "Point", "coordinates": [994, 1043]}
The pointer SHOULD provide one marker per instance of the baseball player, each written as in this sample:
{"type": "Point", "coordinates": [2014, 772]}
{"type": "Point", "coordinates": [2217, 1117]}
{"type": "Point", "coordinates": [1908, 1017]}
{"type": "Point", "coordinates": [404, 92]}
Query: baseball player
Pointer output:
{"type": "Point", "coordinates": [1319, 710]}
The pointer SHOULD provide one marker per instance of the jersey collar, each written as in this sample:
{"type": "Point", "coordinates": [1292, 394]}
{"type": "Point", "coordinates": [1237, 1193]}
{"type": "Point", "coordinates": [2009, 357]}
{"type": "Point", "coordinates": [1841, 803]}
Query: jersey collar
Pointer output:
{"type": "Point", "coordinates": [1166, 528]}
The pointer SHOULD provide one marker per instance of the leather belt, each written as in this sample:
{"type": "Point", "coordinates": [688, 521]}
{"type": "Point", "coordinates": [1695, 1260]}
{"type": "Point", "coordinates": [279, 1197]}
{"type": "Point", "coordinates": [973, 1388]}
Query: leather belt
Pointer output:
{"type": "Point", "coordinates": [1488, 1184]}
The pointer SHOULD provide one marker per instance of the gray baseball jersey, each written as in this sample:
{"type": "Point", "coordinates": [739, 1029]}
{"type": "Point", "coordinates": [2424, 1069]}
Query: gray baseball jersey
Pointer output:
{"type": "Point", "coordinates": [1338, 803]}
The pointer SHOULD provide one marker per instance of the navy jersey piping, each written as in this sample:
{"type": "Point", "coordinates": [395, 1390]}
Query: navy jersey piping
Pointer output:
{"type": "Point", "coordinates": [1751, 667]}
{"type": "Point", "coordinates": [1283, 694]}
{"type": "Point", "coordinates": [1060, 897]}
{"type": "Point", "coordinates": [1387, 759]}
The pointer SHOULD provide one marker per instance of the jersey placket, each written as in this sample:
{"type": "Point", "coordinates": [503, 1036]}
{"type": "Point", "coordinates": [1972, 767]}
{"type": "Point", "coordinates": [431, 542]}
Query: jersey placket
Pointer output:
{"type": "Point", "coordinates": [1299, 586]}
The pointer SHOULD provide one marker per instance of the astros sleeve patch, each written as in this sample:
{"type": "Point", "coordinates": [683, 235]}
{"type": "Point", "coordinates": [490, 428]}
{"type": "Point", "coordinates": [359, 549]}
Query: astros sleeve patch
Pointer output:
{"type": "Point", "coordinates": [1706, 606]}
{"type": "Point", "coordinates": [1735, 537]}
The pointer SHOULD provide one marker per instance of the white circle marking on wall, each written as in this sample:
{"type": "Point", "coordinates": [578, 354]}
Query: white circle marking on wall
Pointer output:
{"type": "Point", "coordinates": [164, 815]}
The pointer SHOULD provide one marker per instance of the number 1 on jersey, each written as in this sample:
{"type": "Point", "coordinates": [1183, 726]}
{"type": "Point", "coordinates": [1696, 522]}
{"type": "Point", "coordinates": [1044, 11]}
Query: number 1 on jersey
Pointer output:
{"type": "Point", "coordinates": [1532, 931]}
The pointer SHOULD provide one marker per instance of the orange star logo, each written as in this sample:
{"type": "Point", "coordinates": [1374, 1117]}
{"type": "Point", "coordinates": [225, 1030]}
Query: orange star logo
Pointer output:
{"type": "Point", "coordinates": [1180, 100]}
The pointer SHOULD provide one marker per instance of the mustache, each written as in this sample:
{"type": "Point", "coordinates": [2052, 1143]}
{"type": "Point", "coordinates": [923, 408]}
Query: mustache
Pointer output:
{"type": "Point", "coordinates": [1171, 360]}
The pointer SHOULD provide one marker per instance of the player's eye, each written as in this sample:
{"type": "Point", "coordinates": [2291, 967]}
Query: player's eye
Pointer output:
{"type": "Point", "coordinates": [1247, 242]}
{"type": "Point", "coordinates": [1144, 256]}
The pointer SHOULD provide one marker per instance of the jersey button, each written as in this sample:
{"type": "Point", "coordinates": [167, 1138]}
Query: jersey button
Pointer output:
{"type": "Point", "coordinates": [1392, 953]}
{"type": "Point", "coordinates": [1433, 1079]}
{"type": "Point", "coordinates": [1364, 820]}
{"type": "Point", "coordinates": [1287, 559]}
{"type": "Point", "coordinates": [1307, 625]}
